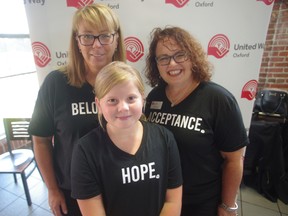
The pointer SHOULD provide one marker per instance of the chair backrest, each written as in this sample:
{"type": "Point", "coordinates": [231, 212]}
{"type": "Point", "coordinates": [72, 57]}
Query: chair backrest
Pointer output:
{"type": "Point", "coordinates": [16, 129]}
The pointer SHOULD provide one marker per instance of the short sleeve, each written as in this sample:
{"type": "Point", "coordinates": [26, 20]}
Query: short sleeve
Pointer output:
{"type": "Point", "coordinates": [42, 118]}
{"type": "Point", "coordinates": [84, 181]}
{"type": "Point", "coordinates": [229, 129]}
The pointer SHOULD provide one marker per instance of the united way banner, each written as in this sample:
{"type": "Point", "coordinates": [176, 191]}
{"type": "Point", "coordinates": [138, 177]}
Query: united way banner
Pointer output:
{"type": "Point", "coordinates": [232, 33]}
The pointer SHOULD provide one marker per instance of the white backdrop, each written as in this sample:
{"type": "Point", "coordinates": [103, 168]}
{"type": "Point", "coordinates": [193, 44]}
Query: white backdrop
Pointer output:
{"type": "Point", "coordinates": [232, 32]}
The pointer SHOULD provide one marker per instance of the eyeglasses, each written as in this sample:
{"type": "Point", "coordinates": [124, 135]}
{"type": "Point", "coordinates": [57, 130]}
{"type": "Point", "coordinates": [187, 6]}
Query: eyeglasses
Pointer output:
{"type": "Point", "coordinates": [178, 57]}
{"type": "Point", "coordinates": [89, 39]}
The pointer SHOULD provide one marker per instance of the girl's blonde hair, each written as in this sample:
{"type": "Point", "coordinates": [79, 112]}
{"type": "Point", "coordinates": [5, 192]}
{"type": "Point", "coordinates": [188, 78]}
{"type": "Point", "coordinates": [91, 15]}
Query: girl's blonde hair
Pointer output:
{"type": "Point", "coordinates": [113, 74]}
{"type": "Point", "coordinates": [97, 16]}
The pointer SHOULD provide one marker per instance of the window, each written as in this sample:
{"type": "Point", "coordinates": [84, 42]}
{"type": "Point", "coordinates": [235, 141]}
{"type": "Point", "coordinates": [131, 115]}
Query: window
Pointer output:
{"type": "Point", "coordinates": [18, 78]}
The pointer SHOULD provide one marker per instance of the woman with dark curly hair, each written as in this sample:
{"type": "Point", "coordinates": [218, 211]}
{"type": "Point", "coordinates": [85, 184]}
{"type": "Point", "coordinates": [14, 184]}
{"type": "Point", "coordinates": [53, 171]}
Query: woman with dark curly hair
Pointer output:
{"type": "Point", "coordinates": [204, 117]}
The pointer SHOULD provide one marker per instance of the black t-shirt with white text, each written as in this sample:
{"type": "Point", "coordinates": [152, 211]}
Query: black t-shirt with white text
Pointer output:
{"type": "Point", "coordinates": [206, 122]}
{"type": "Point", "coordinates": [67, 113]}
{"type": "Point", "coordinates": [129, 184]}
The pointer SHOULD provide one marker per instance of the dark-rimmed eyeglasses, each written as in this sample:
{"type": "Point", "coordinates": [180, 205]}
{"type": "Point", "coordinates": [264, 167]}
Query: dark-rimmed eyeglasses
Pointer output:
{"type": "Point", "coordinates": [178, 57]}
{"type": "Point", "coordinates": [89, 39]}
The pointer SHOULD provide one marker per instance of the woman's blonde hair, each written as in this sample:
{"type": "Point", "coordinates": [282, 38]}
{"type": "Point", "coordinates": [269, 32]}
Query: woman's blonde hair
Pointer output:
{"type": "Point", "coordinates": [98, 16]}
{"type": "Point", "coordinates": [113, 74]}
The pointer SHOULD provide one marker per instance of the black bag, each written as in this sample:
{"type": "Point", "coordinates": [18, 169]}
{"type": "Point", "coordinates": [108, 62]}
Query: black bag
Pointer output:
{"type": "Point", "coordinates": [269, 101]}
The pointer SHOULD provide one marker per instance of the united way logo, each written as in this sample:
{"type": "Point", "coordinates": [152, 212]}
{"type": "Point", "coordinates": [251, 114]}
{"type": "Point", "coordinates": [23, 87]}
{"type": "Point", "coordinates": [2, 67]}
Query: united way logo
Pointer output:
{"type": "Point", "coordinates": [219, 46]}
{"type": "Point", "coordinates": [41, 54]}
{"type": "Point", "coordinates": [249, 90]}
{"type": "Point", "coordinates": [78, 3]}
{"type": "Point", "coordinates": [177, 3]}
{"type": "Point", "coordinates": [134, 49]}
{"type": "Point", "coordinates": [267, 2]}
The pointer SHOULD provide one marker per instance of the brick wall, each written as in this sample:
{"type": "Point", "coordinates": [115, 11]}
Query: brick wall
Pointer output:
{"type": "Point", "coordinates": [274, 66]}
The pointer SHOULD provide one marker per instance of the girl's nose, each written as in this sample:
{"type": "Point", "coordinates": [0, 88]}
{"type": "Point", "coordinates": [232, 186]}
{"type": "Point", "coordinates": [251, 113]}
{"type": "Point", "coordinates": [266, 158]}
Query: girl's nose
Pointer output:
{"type": "Point", "coordinates": [123, 105]}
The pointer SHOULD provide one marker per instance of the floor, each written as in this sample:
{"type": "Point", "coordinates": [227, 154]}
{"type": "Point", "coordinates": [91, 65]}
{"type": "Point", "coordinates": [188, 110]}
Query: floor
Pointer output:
{"type": "Point", "coordinates": [13, 202]}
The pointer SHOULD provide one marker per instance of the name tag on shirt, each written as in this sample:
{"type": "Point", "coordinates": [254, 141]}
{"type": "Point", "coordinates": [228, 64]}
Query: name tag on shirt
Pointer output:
{"type": "Point", "coordinates": [156, 105]}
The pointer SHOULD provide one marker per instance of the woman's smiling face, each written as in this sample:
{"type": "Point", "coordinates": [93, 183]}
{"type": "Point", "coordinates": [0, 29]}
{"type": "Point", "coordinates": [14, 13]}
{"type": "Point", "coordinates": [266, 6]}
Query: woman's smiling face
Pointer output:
{"type": "Point", "coordinates": [96, 55]}
{"type": "Point", "coordinates": [173, 73]}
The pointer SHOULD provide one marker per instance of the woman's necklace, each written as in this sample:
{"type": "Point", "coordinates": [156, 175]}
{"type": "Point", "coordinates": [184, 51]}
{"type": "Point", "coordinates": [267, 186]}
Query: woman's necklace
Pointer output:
{"type": "Point", "coordinates": [176, 98]}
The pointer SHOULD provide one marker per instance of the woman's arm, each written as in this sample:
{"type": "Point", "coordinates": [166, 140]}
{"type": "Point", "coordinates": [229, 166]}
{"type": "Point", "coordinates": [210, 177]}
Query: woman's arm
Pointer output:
{"type": "Point", "coordinates": [43, 154]}
{"type": "Point", "coordinates": [92, 207]}
{"type": "Point", "coordinates": [173, 202]}
{"type": "Point", "coordinates": [231, 177]}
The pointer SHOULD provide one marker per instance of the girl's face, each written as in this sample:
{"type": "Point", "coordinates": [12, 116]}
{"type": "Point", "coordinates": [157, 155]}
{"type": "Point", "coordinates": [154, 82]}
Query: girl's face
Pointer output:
{"type": "Point", "coordinates": [96, 55]}
{"type": "Point", "coordinates": [121, 106]}
{"type": "Point", "coordinates": [173, 73]}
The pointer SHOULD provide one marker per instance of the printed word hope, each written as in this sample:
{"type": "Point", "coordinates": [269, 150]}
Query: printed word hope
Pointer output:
{"type": "Point", "coordinates": [139, 173]}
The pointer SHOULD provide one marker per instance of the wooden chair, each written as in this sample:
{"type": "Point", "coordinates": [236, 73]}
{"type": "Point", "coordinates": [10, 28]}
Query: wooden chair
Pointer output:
{"type": "Point", "coordinates": [18, 161]}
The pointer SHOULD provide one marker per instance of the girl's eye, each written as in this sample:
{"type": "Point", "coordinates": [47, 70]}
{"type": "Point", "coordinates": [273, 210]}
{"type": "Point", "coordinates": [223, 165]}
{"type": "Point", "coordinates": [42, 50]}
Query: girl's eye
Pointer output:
{"type": "Point", "coordinates": [132, 98]}
{"type": "Point", "coordinates": [112, 101]}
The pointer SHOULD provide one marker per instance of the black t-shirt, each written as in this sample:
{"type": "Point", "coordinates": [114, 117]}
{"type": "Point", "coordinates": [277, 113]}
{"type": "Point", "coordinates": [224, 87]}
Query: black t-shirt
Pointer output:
{"type": "Point", "coordinates": [206, 122]}
{"type": "Point", "coordinates": [67, 113]}
{"type": "Point", "coordinates": [130, 184]}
